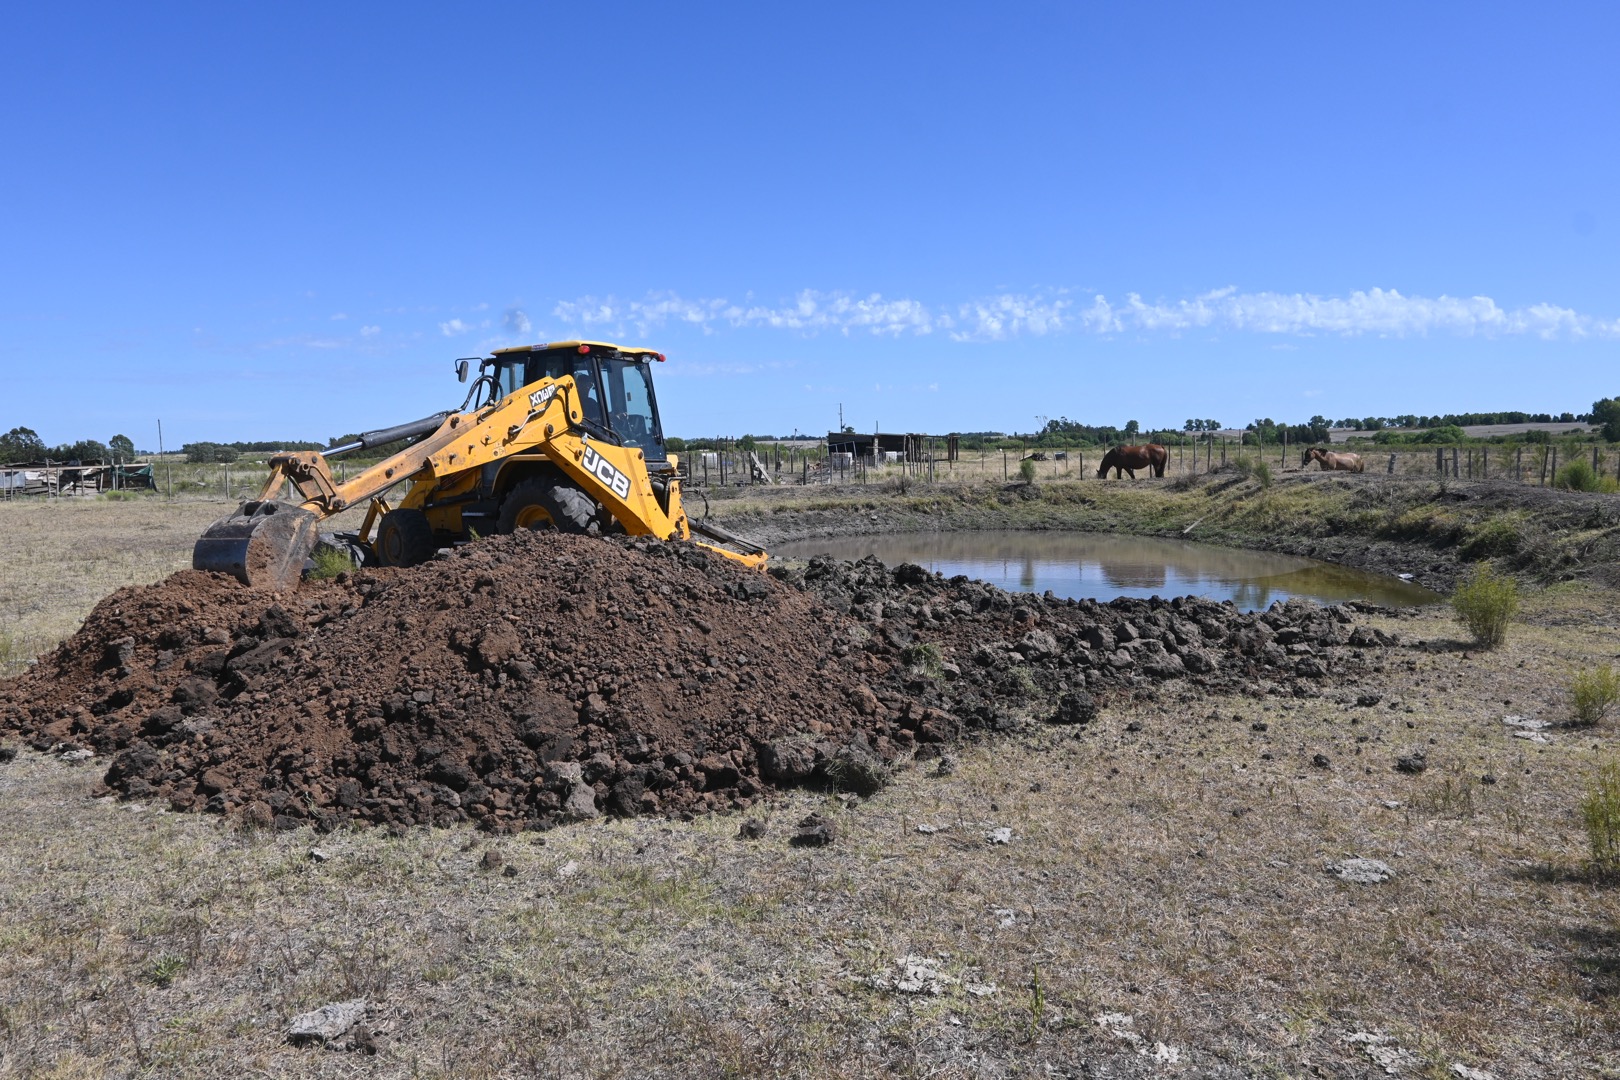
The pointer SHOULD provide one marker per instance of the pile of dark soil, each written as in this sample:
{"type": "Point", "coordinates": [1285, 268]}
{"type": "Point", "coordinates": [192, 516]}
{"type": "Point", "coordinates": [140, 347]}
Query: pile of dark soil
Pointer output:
{"type": "Point", "coordinates": [537, 678]}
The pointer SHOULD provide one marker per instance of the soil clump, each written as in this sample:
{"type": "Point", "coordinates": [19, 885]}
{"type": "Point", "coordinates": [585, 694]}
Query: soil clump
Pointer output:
{"type": "Point", "coordinates": [528, 680]}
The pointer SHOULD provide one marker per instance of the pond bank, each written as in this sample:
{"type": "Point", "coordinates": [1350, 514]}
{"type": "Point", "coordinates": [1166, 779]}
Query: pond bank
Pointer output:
{"type": "Point", "coordinates": [1384, 525]}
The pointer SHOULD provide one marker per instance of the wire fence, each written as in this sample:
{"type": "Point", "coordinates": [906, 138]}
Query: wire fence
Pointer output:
{"type": "Point", "coordinates": [810, 464]}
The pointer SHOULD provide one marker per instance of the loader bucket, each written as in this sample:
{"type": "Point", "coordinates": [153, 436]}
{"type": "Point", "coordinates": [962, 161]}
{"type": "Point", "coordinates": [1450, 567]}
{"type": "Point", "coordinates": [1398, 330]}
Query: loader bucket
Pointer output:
{"type": "Point", "coordinates": [264, 544]}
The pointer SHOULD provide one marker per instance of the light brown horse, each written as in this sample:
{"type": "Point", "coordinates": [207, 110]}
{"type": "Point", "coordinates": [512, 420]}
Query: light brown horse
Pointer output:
{"type": "Point", "coordinates": [1329, 459]}
{"type": "Point", "coordinates": [1131, 458]}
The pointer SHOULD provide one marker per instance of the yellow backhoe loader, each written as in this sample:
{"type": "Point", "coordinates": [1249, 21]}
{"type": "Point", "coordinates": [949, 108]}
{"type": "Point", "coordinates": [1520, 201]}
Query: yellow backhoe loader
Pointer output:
{"type": "Point", "coordinates": [562, 436]}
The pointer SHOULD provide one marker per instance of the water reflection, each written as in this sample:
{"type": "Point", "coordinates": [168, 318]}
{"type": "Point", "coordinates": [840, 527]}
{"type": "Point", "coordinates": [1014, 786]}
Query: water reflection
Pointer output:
{"type": "Point", "coordinates": [1102, 566]}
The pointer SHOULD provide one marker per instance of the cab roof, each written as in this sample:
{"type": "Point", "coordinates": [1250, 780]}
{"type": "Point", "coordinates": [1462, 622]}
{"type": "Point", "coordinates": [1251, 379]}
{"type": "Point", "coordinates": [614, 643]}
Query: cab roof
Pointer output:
{"type": "Point", "coordinates": [576, 344]}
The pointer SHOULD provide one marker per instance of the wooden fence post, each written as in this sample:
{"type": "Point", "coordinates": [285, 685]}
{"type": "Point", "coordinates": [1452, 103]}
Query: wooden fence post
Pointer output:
{"type": "Point", "coordinates": [1554, 456]}
{"type": "Point", "coordinates": [1455, 474]}
{"type": "Point", "coordinates": [1392, 464]}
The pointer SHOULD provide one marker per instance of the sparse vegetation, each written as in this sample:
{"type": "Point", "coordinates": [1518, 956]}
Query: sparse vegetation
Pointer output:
{"type": "Point", "coordinates": [164, 969]}
{"type": "Point", "coordinates": [1494, 538]}
{"type": "Point", "coordinates": [925, 659]}
{"type": "Point", "coordinates": [1485, 604]}
{"type": "Point", "coordinates": [1026, 470]}
{"type": "Point", "coordinates": [1593, 692]}
{"type": "Point", "coordinates": [1600, 814]}
{"type": "Point", "coordinates": [329, 563]}
{"type": "Point", "coordinates": [1250, 467]}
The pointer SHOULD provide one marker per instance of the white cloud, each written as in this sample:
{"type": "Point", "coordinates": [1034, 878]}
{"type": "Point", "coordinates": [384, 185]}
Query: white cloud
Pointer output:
{"type": "Point", "coordinates": [340, 316]}
{"type": "Point", "coordinates": [1007, 315]}
{"type": "Point", "coordinates": [453, 327]}
{"type": "Point", "coordinates": [808, 312]}
{"type": "Point", "coordinates": [370, 331]}
{"type": "Point", "coordinates": [516, 321]}
{"type": "Point", "coordinates": [1380, 312]}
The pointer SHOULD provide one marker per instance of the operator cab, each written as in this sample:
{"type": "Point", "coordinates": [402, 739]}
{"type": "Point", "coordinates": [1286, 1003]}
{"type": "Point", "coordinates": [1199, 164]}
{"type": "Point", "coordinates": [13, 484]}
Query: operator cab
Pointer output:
{"type": "Point", "coordinates": [615, 387]}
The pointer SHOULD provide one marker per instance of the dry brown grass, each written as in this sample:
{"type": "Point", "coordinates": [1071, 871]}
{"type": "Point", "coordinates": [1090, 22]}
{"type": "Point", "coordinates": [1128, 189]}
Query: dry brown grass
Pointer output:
{"type": "Point", "coordinates": [1174, 873]}
{"type": "Point", "coordinates": [63, 555]}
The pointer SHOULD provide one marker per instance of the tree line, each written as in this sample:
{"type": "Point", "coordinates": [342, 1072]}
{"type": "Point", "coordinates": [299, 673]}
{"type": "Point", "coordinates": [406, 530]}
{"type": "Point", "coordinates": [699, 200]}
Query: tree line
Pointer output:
{"type": "Point", "coordinates": [22, 444]}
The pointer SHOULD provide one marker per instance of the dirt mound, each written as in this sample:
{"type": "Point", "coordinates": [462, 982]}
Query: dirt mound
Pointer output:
{"type": "Point", "coordinates": [532, 679]}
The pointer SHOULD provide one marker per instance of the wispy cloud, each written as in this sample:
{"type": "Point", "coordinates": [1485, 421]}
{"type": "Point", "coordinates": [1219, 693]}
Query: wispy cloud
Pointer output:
{"type": "Point", "coordinates": [516, 321]}
{"type": "Point", "coordinates": [1002, 316]}
{"type": "Point", "coordinates": [808, 312]}
{"type": "Point", "coordinates": [453, 327]}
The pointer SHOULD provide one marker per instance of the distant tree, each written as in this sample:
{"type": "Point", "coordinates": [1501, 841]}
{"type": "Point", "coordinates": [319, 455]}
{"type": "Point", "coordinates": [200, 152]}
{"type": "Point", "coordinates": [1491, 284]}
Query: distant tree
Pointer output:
{"type": "Point", "coordinates": [1372, 423]}
{"type": "Point", "coordinates": [122, 446]}
{"type": "Point", "coordinates": [848, 429]}
{"type": "Point", "coordinates": [85, 450]}
{"type": "Point", "coordinates": [21, 444]}
{"type": "Point", "coordinates": [1132, 429]}
{"type": "Point", "coordinates": [226, 454]}
{"type": "Point", "coordinates": [1607, 413]}
{"type": "Point", "coordinates": [200, 453]}
{"type": "Point", "coordinates": [746, 444]}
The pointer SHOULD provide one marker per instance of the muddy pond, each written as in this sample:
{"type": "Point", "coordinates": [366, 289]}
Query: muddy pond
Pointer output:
{"type": "Point", "coordinates": [1101, 566]}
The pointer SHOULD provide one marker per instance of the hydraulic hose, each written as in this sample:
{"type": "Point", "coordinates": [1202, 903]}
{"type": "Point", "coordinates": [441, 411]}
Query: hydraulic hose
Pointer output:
{"type": "Point", "coordinates": [411, 430]}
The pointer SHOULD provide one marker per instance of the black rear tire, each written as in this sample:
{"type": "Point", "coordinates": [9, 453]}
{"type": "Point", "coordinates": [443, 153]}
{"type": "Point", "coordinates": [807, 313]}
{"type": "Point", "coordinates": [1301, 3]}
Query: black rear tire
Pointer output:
{"type": "Point", "coordinates": [543, 502]}
{"type": "Point", "coordinates": [404, 538]}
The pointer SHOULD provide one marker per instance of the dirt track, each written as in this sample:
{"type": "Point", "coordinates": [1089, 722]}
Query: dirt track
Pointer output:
{"type": "Point", "coordinates": [534, 679]}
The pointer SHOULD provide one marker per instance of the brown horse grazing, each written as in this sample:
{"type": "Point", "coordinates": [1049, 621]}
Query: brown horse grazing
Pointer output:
{"type": "Point", "coordinates": [1329, 459]}
{"type": "Point", "coordinates": [1131, 458]}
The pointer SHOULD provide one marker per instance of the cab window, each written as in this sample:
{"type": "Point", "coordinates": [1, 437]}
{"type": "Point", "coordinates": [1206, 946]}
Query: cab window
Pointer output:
{"type": "Point", "coordinates": [631, 413]}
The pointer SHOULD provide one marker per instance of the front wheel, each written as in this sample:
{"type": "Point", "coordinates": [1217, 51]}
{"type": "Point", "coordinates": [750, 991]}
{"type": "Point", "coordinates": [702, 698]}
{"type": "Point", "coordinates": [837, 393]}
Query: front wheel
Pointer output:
{"type": "Point", "coordinates": [405, 538]}
{"type": "Point", "coordinates": [549, 503]}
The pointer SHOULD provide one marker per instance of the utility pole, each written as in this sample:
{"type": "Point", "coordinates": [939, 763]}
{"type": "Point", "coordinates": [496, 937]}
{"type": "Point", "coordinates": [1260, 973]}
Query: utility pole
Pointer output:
{"type": "Point", "coordinates": [167, 466]}
{"type": "Point", "coordinates": [840, 417]}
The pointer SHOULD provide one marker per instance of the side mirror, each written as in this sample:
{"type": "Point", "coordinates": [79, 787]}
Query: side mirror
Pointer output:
{"type": "Point", "coordinates": [461, 371]}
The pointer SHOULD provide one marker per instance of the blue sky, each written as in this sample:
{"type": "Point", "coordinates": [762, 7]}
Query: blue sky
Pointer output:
{"type": "Point", "coordinates": [262, 221]}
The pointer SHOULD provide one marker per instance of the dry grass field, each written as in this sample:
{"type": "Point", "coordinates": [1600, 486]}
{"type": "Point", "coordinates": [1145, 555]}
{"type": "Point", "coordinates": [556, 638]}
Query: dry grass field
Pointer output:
{"type": "Point", "coordinates": [63, 555]}
{"type": "Point", "coordinates": [1167, 864]}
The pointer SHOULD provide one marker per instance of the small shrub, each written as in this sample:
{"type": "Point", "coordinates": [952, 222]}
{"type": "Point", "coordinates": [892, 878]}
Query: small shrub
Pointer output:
{"type": "Point", "coordinates": [1026, 470]}
{"type": "Point", "coordinates": [1576, 475]}
{"type": "Point", "coordinates": [1249, 466]}
{"type": "Point", "coordinates": [1593, 692]}
{"type": "Point", "coordinates": [1600, 813]}
{"type": "Point", "coordinates": [164, 969]}
{"type": "Point", "coordinates": [926, 659]}
{"type": "Point", "coordinates": [1485, 604]}
{"type": "Point", "coordinates": [329, 563]}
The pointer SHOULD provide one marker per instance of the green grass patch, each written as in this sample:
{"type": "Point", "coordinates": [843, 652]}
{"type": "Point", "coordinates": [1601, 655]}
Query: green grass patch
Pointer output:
{"type": "Point", "coordinates": [329, 563]}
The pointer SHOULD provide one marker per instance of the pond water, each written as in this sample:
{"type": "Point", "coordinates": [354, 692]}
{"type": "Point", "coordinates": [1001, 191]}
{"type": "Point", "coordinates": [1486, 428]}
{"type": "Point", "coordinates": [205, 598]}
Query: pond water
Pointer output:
{"type": "Point", "coordinates": [1101, 566]}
